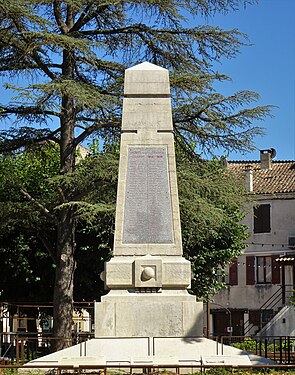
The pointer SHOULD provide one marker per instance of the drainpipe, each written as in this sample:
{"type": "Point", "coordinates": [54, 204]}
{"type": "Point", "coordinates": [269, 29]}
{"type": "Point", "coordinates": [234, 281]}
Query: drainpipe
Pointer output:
{"type": "Point", "coordinates": [283, 285]}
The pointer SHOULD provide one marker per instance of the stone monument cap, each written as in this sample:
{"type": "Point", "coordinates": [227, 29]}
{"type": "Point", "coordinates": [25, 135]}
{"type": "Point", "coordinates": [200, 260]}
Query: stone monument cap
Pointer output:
{"type": "Point", "coordinates": [146, 66]}
{"type": "Point", "coordinates": [146, 80]}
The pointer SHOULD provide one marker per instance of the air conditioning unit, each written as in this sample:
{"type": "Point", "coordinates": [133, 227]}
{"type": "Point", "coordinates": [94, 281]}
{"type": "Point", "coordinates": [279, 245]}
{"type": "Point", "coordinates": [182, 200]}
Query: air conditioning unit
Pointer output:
{"type": "Point", "coordinates": [291, 242]}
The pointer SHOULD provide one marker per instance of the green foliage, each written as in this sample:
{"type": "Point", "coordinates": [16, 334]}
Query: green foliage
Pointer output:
{"type": "Point", "coordinates": [253, 344]}
{"type": "Point", "coordinates": [27, 173]}
{"type": "Point", "coordinates": [27, 236]}
{"type": "Point", "coordinates": [292, 298]}
{"type": "Point", "coordinates": [224, 371]}
{"type": "Point", "coordinates": [248, 345]}
{"type": "Point", "coordinates": [211, 202]}
{"type": "Point", "coordinates": [30, 169]}
{"type": "Point", "coordinates": [77, 51]}
{"type": "Point", "coordinates": [9, 371]}
{"type": "Point", "coordinates": [28, 267]}
{"type": "Point", "coordinates": [27, 272]}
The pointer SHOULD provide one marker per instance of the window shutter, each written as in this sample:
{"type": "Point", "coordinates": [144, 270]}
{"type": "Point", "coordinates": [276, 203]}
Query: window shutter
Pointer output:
{"type": "Point", "coordinates": [275, 271]}
{"type": "Point", "coordinates": [250, 276]}
{"type": "Point", "coordinates": [233, 272]}
{"type": "Point", "coordinates": [262, 218]}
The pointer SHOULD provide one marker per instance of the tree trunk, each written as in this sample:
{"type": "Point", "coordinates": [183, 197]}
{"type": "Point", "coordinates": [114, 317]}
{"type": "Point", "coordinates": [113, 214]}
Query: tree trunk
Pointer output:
{"type": "Point", "coordinates": [64, 280]}
{"type": "Point", "coordinates": [66, 244]}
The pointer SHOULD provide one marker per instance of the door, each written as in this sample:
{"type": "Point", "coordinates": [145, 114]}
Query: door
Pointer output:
{"type": "Point", "coordinates": [238, 323]}
{"type": "Point", "coordinates": [221, 320]}
{"type": "Point", "coordinates": [224, 319]}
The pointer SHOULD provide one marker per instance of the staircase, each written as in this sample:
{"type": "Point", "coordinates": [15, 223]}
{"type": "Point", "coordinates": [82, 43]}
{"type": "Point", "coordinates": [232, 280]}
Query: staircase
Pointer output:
{"type": "Point", "coordinates": [271, 307]}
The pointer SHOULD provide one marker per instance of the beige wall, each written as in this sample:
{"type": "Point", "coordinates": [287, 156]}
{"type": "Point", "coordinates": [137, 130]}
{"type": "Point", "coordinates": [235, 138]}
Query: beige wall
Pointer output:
{"type": "Point", "coordinates": [282, 226]}
{"type": "Point", "coordinates": [252, 297]}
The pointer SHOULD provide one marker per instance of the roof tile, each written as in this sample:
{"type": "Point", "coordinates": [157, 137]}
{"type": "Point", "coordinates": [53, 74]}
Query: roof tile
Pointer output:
{"type": "Point", "coordinates": [279, 179]}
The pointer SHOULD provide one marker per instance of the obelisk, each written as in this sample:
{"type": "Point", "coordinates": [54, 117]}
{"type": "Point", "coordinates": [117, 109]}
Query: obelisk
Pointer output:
{"type": "Point", "coordinates": [147, 276]}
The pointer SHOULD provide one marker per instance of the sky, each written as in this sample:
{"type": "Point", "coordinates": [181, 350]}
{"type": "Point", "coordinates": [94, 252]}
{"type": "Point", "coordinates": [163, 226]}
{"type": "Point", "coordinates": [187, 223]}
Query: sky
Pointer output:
{"type": "Point", "coordinates": [266, 67]}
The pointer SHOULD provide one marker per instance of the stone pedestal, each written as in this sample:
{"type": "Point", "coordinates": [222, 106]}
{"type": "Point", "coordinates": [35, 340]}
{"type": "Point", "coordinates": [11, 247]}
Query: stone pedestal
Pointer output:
{"type": "Point", "coordinates": [169, 314]}
{"type": "Point", "coordinates": [147, 276]}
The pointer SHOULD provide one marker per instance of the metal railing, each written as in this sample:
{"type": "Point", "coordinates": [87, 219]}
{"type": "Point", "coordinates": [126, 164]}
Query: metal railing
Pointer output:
{"type": "Point", "coordinates": [145, 368]}
{"type": "Point", "coordinates": [279, 299]}
{"type": "Point", "coordinates": [280, 349]}
{"type": "Point", "coordinates": [23, 347]}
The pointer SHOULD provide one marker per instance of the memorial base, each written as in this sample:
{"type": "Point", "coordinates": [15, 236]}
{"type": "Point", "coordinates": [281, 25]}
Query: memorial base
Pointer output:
{"type": "Point", "coordinates": [142, 351]}
{"type": "Point", "coordinates": [165, 314]}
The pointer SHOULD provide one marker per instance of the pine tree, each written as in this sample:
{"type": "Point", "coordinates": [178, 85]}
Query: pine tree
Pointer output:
{"type": "Point", "coordinates": [65, 61]}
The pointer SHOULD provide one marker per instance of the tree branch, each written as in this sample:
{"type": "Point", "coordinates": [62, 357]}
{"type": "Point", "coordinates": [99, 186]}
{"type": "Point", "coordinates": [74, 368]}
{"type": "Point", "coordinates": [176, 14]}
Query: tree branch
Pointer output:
{"type": "Point", "coordinates": [25, 66]}
{"type": "Point", "coordinates": [123, 30]}
{"type": "Point", "coordinates": [40, 206]}
{"type": "Point", "coordinates": [61, 194]}
{"type": "Point", "coordinates": [42, 65]}
{"type": "Point", "coordinates": [141, 27]}
{"type": "Point", "coordinates": [84, 18]}
{"type": "Point", "coordinates": [58, 17]}
{"type": "Point", "coordinates": [47, 244]}
{"type": "Point", "coordinates": [34, 54]}
{"type": "Point", "coordinates": [14, 139]}
{"type": "Point", "coordinates": [98, 125]}
{"type": "Point", "coordinates": [70, 16]}
{"type": "Point", "coordinates": [21, 110]}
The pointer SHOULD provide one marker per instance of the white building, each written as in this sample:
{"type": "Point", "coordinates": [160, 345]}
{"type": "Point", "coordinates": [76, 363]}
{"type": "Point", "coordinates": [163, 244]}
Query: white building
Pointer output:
{"type": "Point", "coordinates": [261, 281]}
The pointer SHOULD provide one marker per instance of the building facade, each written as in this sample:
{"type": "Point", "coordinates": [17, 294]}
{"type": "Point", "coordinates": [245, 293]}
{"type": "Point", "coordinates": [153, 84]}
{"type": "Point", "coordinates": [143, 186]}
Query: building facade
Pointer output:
{"type": "Point", "coordinates": [261, 280]}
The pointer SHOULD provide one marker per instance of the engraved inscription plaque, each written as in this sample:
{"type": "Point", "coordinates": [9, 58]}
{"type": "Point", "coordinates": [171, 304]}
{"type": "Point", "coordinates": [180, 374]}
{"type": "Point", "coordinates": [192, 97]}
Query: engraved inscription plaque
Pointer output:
{"type": "Point", "coordinates": [148, 214]}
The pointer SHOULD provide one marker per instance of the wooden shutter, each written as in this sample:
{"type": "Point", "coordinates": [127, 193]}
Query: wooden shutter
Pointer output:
{"type": "Point", "coordinates": [250, 275]}
{"type": "Point", "coordinates": [233, 272]}
{"type": "Point", "coordinates": [275, 271]}
{"type": "Point", "coordinates": [262, 218]}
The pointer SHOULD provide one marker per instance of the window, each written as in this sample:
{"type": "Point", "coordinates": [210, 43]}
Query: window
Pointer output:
{"type": "Point", "coordinates": [263, 270]}
{"type": "Point", "coordinates": [262, 218]}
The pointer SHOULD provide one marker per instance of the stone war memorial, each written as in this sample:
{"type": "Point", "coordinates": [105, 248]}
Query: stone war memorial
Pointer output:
{"type": "Point", "coordinates": [147, 316]}
{"type": "Point", "coordinates": [147, 276]}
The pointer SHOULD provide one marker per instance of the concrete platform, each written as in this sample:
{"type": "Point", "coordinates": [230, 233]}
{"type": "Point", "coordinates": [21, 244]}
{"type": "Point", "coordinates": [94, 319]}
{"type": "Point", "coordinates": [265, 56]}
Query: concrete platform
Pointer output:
{"type": "Point", "coordinates": [145, 350]}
